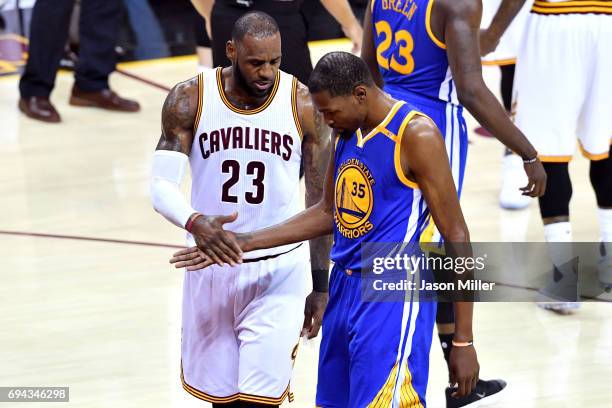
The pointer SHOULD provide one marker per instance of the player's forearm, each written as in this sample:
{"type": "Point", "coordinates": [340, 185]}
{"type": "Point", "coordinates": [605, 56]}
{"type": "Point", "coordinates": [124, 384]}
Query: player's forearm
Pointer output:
{"type": "Point", "coordinates": [341, 11]}
{"type": "Point", "coordinates": [503, 17]}
{"type": "Point", "coordinates": [483, 105]}
{"type": "Point", "coordinates": [368, 51]}
{"type": "Point", "coordinates": [203, 7]}
{"type": "Point", "coordinates": [463, 321]}
{"type": "Point", "coordinates": [313, 222]}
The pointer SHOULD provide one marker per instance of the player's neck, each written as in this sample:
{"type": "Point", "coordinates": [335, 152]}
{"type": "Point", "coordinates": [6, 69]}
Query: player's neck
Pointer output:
{"type": "Point", "coordinates": [379, 106]}
{"type": "Point", "coordinates": [236, 93]}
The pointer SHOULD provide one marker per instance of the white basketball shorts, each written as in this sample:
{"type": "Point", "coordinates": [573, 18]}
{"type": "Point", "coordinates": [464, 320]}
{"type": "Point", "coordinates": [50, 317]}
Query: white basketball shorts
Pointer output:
{"type": "Point", "coordinates": [563, 85]}
{"type": "Point", "coordinates": [241, 327]}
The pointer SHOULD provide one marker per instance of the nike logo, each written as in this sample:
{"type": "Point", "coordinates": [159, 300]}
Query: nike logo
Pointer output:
{"type": "Point", "coordinates": [484, 394]}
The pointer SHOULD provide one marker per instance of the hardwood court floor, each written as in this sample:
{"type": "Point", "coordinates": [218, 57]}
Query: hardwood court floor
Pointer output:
{"type": "Point", "coordinates": [103, 317]}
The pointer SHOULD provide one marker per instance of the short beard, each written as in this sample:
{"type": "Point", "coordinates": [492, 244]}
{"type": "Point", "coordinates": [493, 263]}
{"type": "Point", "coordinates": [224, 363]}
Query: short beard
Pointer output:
{"type": "Point", "coordinates": [242, 82]}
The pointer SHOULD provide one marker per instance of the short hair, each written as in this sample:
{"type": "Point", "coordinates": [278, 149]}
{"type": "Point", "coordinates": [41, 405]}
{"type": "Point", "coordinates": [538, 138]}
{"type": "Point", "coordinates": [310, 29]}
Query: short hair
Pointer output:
{"type": "Point", "coordinates": [254, 23]}
{"type": "Point", "coordinates": [339, 73]}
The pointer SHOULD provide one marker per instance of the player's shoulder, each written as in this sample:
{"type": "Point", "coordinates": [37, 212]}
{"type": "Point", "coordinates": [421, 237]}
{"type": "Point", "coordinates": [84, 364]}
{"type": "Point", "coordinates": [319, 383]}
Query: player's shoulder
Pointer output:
{"type": "Point", "coordinates": [183, 102]}
{"type": "Point", "coordinates": [459, 8]}
{"type": "Point", "coordinates": [420, 129]}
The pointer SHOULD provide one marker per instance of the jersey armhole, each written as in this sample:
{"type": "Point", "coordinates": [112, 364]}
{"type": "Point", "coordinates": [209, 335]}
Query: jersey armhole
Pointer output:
{"type": "Point", "coordinates": [397, 151]}
{"type": "Point", "coordinates": [294, 108]}
{"type": "Point", "coordinates": [428, 26]}
{"type": "Point", "coordinates": [196, 122]}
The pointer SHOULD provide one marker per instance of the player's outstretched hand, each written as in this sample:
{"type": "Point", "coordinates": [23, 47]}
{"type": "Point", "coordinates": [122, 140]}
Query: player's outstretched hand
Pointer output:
{"type": "Point", "coordinates": [464, 369]}
{"type": "Point", "coordinates": [191, 258]}
{"type": "Point", "coordinates": [216, 243]}
{"type": "Point", "coordinates": [313, 313]}
{"type": "Point", "coordinates": [537, 179]}
{"type": "Point", "coordinates": [487, 43]}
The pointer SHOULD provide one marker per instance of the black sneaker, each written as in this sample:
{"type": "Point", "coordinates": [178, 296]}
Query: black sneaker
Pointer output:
{"type": "Point", "coordinates": [485, 393]}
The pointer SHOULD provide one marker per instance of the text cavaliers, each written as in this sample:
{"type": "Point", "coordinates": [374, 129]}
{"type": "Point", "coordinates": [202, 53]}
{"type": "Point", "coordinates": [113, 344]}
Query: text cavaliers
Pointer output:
{"type": "Point", "coordinates": [246, 138]}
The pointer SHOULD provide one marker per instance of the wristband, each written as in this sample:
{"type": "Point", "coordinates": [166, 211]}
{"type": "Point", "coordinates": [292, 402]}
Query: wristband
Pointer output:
{"type": "Point", "coordinates": [463, 343]}
{"type": "Point", "coordinates": [190, 221]}
{"type": "Point", "coordinates": [530, 161]}
{"type": "Point", "coordinates": [320, 280]}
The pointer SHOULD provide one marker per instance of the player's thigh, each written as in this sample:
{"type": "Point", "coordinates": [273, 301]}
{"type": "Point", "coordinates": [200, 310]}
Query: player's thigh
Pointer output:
{"type": "Point", "coordinates": [550, 85]}
{"type": "Point", "coordinates": [209, 352]}
{"type": "Point", "coordinates": [333, 384]}
{"type": "Point", "coordinates": [390, 353]}
{"type": "Point", "coordinates": [268, 328]}
{"type": "Point", "coordinates": [595, 129]}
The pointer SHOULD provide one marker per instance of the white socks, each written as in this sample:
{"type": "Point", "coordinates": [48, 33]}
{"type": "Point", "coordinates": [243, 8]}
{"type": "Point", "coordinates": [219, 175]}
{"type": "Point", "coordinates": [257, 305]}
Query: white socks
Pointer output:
{"type": "Point", "coordinates": [558, 232]}
{"type": "Point", "coordinates": [605, 226]}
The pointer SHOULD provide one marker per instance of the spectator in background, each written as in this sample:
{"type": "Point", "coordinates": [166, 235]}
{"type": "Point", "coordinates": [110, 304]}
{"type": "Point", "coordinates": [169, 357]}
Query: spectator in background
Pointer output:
{"type": "Point", "coordinates": [222, 14]}
{"type": "Point", "coordinates": [99, 25]}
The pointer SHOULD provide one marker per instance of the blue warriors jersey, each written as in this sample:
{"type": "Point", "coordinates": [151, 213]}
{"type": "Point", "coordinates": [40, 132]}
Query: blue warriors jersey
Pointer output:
{"type": "Point", "coordinates": [374, 201]}
{"type": "Point", "coordinates": [409, 56]}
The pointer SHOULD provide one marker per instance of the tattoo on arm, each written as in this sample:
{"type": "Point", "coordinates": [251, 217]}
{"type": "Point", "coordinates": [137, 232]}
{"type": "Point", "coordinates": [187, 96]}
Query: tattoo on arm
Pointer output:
{"type": "Point", "coordinates": [316, 148]}
{"type": "Point", "coordinates": [178, 115]}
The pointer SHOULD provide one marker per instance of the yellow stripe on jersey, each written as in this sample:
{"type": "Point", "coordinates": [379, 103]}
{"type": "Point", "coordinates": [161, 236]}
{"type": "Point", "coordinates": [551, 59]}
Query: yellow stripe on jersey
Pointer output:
{"type": "Point", "coordinates": [246, 111]}
{"type": "Point", "coordinates": [196, 121]}
{"type": "Point", "coordinates": [572, 7]}
{"type": "Point", "coordinates": [432, 36]}
{"type": "Point", "coordinates": [409, 398]}
{"type": "Point", "coordinates": [593, 156]}
{"type": "Point", "coordinates": [397, 152]}
{"type": "Point", "coordinates": [385, 394]}
{"type": "Point", "coordinates": [361, 140]}
{"type": "Point", "coordinates": [294, 108]}
{"type": "Point", "coordinates": [555, 159]}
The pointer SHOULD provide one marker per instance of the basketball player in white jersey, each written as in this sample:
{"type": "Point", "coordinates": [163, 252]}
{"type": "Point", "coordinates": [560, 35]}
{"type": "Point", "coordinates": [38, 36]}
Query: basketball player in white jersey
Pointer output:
{"type": "Point", "coordinates": [244, 129]}
{"type": "Point", "coordinates": [562, 93]}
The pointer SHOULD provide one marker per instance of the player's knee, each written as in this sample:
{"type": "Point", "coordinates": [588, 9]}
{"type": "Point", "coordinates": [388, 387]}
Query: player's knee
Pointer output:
{"type": "Point", "coordinates": [555, 203]}
{"type": "Point", "coordinates": [601, 180]}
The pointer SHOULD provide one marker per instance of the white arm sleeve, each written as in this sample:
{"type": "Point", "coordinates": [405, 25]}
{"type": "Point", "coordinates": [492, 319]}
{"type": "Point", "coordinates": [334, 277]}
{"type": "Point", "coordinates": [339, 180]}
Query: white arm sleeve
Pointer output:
{"type": "Point", "coordinates": [166, 177]}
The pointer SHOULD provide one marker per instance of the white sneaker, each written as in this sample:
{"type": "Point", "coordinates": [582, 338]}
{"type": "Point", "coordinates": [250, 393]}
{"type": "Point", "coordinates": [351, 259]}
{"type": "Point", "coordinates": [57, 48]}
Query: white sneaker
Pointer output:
{"type": "Point", "coordinates": [604, 270]}
{"type": "Point", "coordinates": [562, 308]}
{"type": "Point", "coordinates": [513, 178]}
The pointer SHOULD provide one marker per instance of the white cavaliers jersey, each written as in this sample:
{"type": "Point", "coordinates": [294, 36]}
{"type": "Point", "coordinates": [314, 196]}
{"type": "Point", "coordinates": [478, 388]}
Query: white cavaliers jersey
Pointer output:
{"type": "Point", "coordinates": [247, 160]}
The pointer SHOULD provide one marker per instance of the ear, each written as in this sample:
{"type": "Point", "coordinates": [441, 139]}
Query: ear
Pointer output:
{"type": "Point", "coordinates": [230, 50]}
{"type": "Point", "coordinates": [360, 92]}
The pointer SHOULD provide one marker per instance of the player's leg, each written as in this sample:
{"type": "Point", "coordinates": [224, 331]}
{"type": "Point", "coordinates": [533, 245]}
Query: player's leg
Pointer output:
{"type": "Point", "coordinates": [334, 363]}
{"type": "Point", "coordinates": [595, 137]}
{"type": "Point", "coordinates": [601, 180]}
{"type": "Point", "coordinates": [548, 103]}
{"type": "Point", "coordinates": [209, 351]}
{"type": "Point", "coordinates": [269, 315]}
{"type": "Point", "coordinates": [389, 351]}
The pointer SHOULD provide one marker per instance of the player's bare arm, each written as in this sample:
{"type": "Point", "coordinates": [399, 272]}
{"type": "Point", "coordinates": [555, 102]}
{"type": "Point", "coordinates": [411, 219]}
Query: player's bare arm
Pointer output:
{"type": "Point", "coordinates": [458, 23]}
{"type": "Point", "coordinates": [316, 147]}
{"type": "Point", "coordinates": [173, 149]}
{"type": "Point", "coordinates": [424, 160]}
{"type": "Point", "coordinates": [489, 38]}
{"type": "Point", "coordinates": [368, 51]}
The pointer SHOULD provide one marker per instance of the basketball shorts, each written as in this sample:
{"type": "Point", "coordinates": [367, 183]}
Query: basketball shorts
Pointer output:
{"type": "Point", "coordinates": [372, 354]}
{"type": "Point", "coordinates": [449, 119]}
{"type": "Point", "coordinates": [563, 84]}
{"type": "Point", "coordinates": [509, 43]}
{"type": "Point", "coordinates": [241, 327]}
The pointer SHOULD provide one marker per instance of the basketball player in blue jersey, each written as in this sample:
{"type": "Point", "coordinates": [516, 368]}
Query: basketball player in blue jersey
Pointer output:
{"type": "Point", "coordinates": [427, 52]}
{"type": "Point", "coordinates": [373, 354]}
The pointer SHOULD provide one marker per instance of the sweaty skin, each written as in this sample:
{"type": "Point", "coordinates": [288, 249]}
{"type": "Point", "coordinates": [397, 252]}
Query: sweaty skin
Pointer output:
{"type": "Point", "coordinates": [457, 23]}
{"type": "Point", "coordinates": [422, 151]}
{"type": "Point", "coordinates": [257, 60]}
